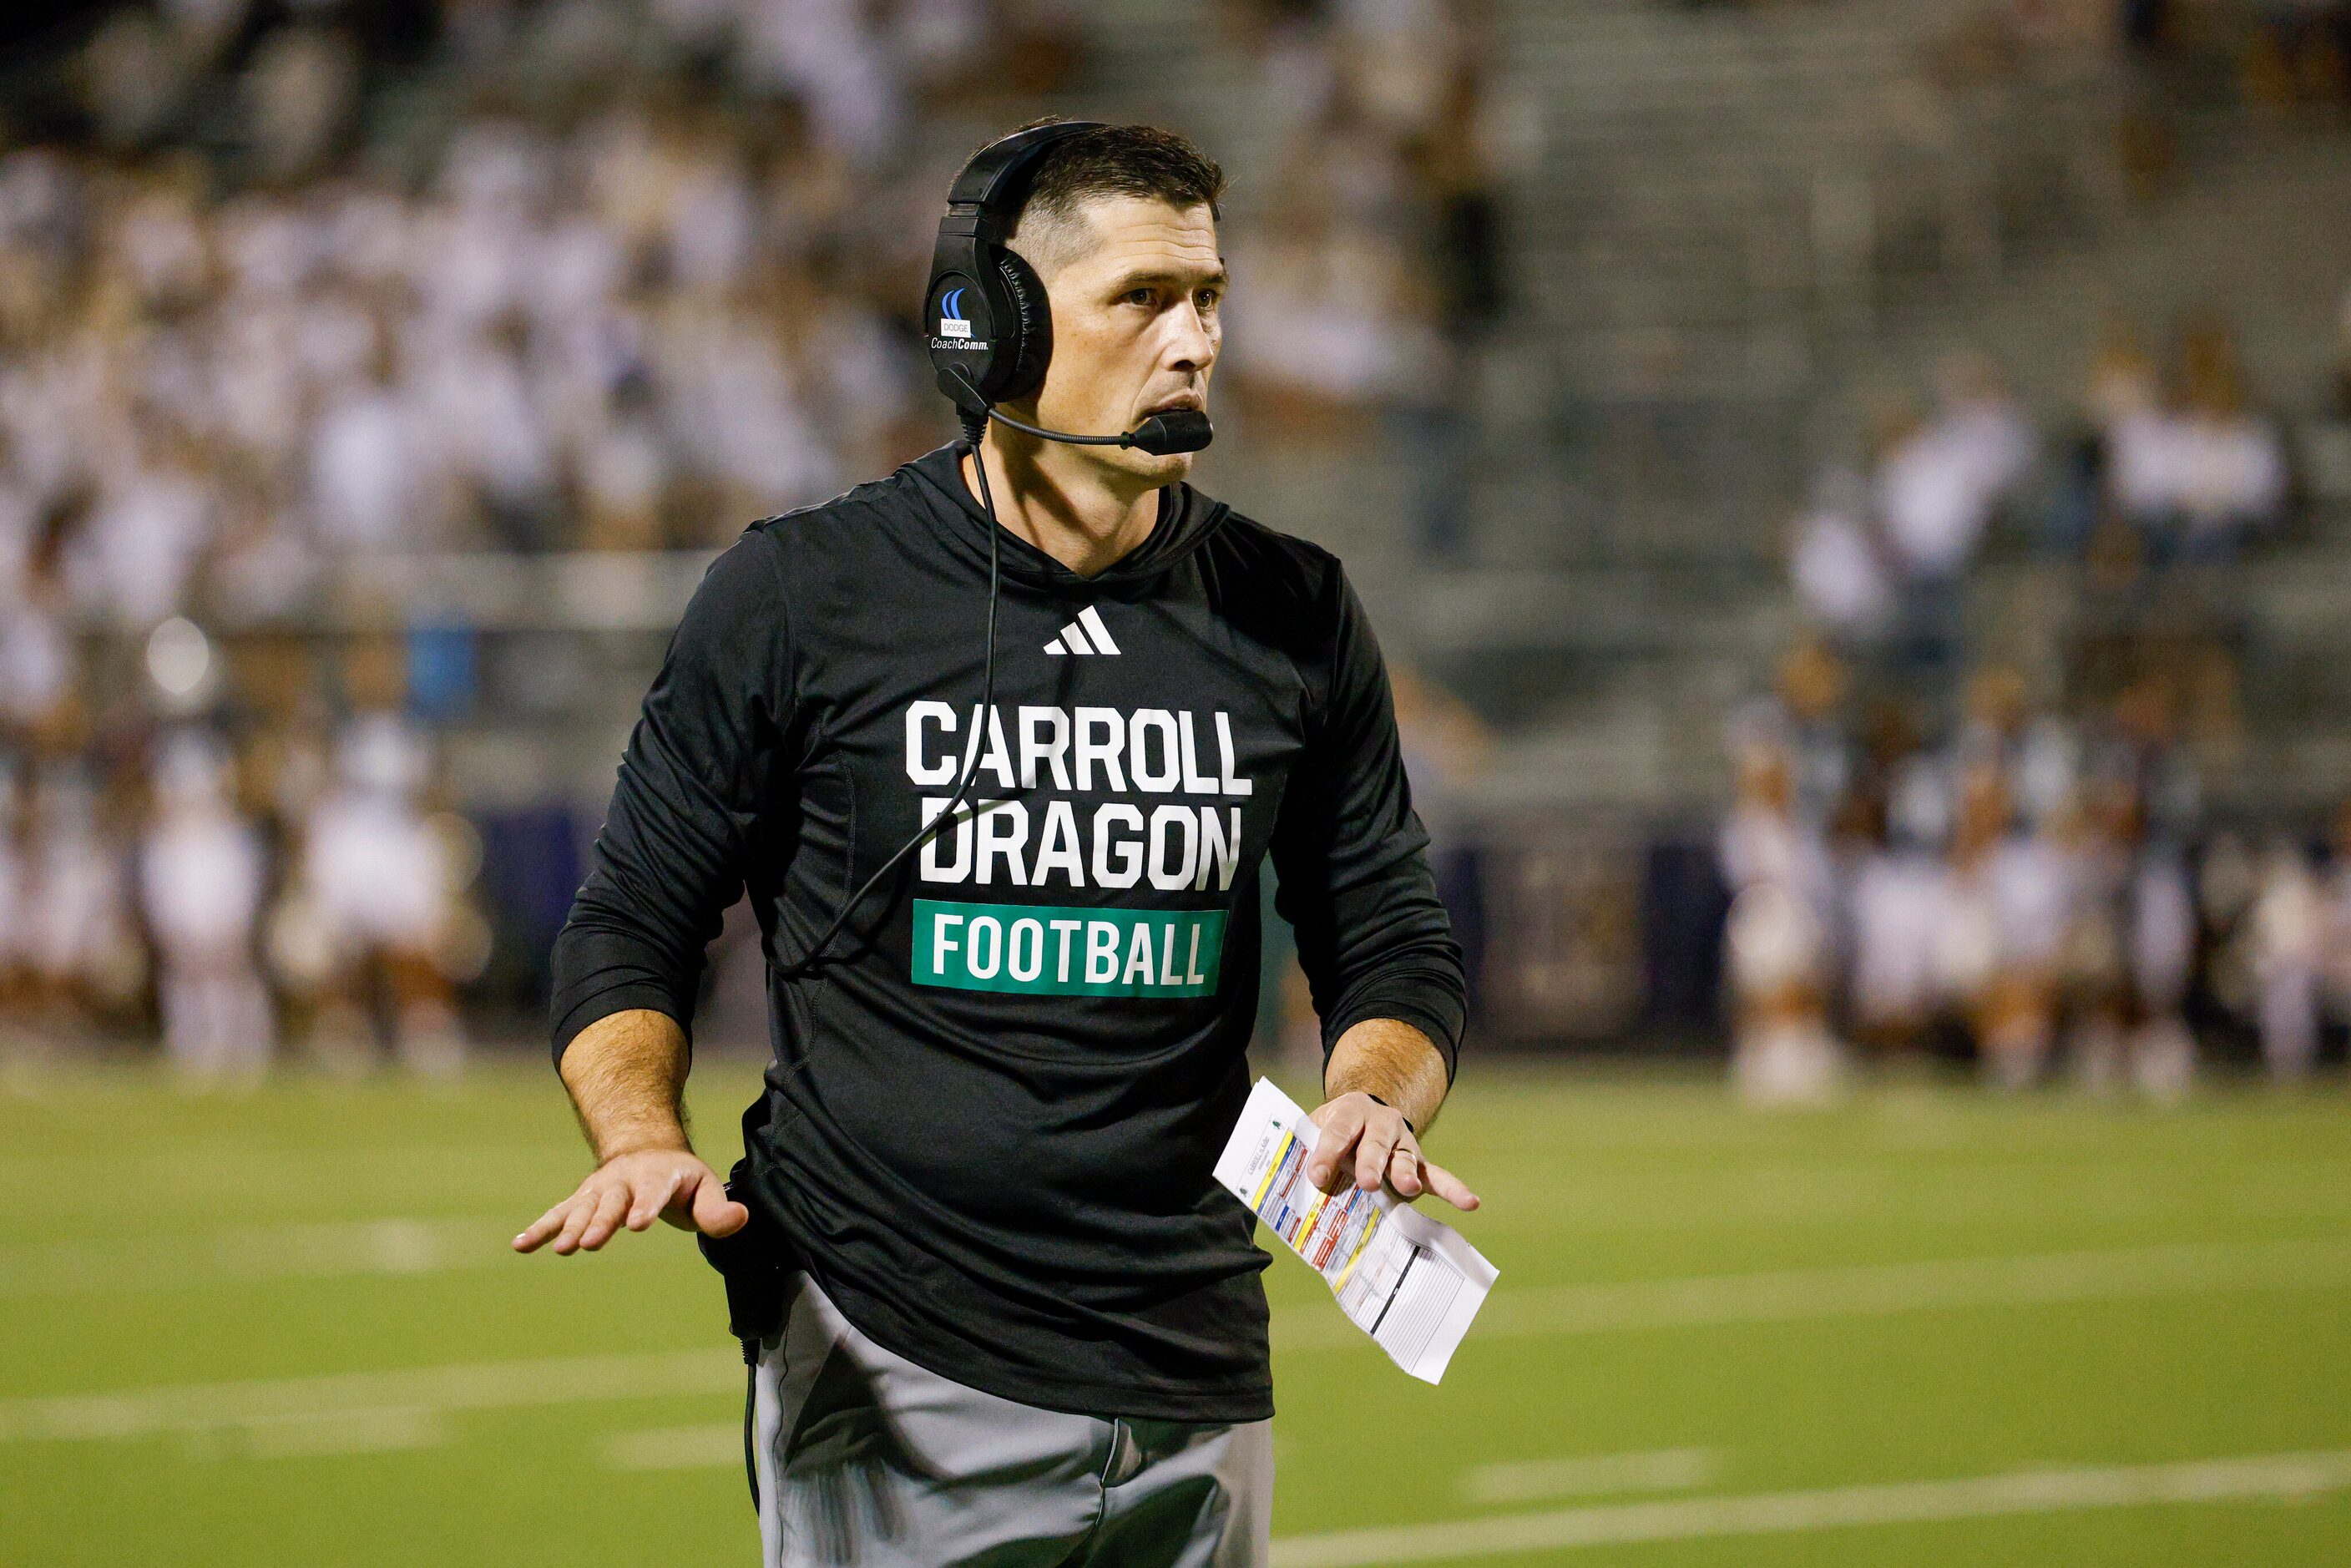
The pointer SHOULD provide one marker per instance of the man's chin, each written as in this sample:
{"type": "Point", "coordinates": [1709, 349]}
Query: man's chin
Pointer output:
{"type": "Point", "coordinates": [1159, 469]}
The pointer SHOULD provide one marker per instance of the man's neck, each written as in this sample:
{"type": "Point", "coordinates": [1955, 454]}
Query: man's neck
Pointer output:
{"type": "Point", "coordinates": [1082, 516]}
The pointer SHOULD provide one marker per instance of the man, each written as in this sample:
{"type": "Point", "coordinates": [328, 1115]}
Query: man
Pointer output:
{"type": "Point", "coordinates": [1024, 1323]}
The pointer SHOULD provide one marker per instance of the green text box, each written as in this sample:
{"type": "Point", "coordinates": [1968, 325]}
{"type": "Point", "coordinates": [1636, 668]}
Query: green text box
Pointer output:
{"type": "Point", "coordinates": [1044, 950]}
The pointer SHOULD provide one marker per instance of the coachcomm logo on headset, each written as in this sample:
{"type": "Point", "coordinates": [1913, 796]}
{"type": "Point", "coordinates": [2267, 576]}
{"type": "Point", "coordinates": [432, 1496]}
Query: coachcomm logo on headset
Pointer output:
{"type": "Point", "coordinates": [953, 323]}
{"type": "Point", "coordinates": [954, 327]}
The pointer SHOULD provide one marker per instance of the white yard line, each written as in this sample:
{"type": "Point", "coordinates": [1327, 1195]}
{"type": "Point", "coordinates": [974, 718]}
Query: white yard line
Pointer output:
{"type": "Point", "coordinates": [1876, 1290]}
{"type": "Point", "coordinates": [1591, 1475]}
{"type": "Point", "coordinates": [1705, 1300]}
{"type": "Point", "coordinates": [392, 1247]}
{"type": "Point", "coordinates": [468, 1385]}
{"type": "Point", "coordinates": [1814, 1199]}
{"type": "Point", "coordinates": [327, 1434]}
{"type": "Point", "coordinates": [715, 1445]}
{"type": "Point", "coordinates": [1790, 1512]}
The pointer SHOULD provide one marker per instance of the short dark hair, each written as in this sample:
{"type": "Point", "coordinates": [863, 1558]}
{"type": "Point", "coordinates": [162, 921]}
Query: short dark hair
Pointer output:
{"type": "Point", "coordinates": [1114, 161]}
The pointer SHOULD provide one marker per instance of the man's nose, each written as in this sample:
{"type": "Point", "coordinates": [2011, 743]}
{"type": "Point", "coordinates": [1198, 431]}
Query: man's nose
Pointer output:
{"type": "Point", "coordinates": [1192, 345]}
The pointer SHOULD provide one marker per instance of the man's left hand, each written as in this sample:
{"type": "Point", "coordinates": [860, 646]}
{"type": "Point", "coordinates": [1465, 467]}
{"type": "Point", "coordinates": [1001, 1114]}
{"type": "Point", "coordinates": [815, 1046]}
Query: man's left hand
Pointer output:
{"type": "Point", "coordinates": [1358, 1137]}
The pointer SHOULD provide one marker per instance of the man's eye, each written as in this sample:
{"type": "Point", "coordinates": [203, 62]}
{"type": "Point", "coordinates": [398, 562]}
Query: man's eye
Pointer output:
{"type": "Point", "coordinates": [1139, 296]}
{"type": "Point", "coordinates": [1209, 298]}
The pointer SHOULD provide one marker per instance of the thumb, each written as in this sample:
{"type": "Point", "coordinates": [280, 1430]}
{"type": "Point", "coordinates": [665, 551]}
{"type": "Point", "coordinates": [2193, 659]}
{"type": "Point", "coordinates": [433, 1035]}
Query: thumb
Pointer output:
{"type": "Point", "coordinates": [715, 1214]}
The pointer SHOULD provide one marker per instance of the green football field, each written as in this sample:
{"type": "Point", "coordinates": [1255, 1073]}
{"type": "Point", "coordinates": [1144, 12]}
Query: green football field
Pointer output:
{"type": "Point", "coordinates": [1926, 1327]}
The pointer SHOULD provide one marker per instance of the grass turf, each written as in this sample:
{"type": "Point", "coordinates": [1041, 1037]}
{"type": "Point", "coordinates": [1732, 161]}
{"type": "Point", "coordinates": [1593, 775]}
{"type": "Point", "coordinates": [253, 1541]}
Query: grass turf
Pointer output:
{"type": "Point", "coordinates": [1920, 1286]}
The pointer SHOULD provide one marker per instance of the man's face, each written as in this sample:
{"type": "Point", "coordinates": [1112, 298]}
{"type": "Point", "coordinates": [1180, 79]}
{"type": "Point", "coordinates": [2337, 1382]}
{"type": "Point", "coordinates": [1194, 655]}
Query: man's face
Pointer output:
{"type": "Point", "coordinates": [1136, 326]}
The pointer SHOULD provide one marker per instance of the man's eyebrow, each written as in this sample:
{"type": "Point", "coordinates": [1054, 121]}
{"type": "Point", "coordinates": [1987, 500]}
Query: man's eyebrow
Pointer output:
{"type": "Point", "coordinates": [1217, 278]}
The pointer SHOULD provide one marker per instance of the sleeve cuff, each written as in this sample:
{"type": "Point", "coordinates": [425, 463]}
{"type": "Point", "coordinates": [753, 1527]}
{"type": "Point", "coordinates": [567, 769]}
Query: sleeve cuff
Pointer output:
{"type": "Point", "coordinates": [623, 998]}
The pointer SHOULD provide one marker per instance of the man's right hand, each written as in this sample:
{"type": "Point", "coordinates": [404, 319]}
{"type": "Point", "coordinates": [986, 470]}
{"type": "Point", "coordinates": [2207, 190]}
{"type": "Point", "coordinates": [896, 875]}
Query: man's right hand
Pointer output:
{"type": "Point", "coordinates": [634, 1189]}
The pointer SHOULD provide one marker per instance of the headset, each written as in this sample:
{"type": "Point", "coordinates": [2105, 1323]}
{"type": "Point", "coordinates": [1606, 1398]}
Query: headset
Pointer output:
{"type": "Point", "coordinates": [993, 331]}
{"type": "Point", "coordinates": [992, 338]}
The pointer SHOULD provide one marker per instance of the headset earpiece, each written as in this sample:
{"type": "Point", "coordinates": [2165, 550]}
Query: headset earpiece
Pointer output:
{"type": "Point", "coordinates": [1025, 342]}
{"type": "Point", "coordinates": [986, 315]}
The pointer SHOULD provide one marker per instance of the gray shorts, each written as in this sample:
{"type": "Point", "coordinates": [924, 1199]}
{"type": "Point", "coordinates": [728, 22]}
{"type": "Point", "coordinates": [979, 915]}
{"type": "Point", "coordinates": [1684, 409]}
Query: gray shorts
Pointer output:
{"type": "Point", "coordinates": [860, 1457]}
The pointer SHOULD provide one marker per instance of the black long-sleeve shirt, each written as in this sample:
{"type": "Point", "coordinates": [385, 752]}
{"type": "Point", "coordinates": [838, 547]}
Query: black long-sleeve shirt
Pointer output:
{"type": "Point", "coordinates": [994, 1109]}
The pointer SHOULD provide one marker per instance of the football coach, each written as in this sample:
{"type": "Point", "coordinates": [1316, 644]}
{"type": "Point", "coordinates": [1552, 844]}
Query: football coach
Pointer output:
{"type": "Point", "coordinates": [999, 784]}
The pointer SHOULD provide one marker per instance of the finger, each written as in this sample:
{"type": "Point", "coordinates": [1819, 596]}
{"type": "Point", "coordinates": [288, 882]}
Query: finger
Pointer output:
{"type": "Point", "coordinates": [593, 1217]}
{"type": "Point", "coordinates": [578, 1209]}
{"type": "Point", "coordinates": [1448, 1187]}
{"type": "Point", "coordinates": [1371, 1157]}
{"type": "Point", "coordinates": [611, 1209]}
{"type": "Point", "coordinates": [534, 1236]}
{"type": "Point", "coordinates": [1404, 1171]}
{"type": "Point", "coordinates": [1332, 1139]}
{"type": "Point", "coordinates": [653, 1198]}
{"type": "Point", "coordinates": [713, 1212]}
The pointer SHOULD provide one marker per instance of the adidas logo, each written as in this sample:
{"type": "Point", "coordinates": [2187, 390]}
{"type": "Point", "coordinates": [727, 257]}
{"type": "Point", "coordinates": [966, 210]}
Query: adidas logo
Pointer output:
{"type": "Point", "coordinates": [1086, 634]}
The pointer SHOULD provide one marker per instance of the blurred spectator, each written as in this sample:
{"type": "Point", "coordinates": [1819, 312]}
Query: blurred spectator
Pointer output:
{"type": "Point", "coordinates": [1807, 715]}
{"type": "Point", "coordinates": [1938, 483]}
{"type": "Point", "coordinates": [2125, 406]}
{"type": "Point", "coordinates": [1445, 747]}
{"type": "Point", "coordinates": [82, 955]}
{"type": "Point", "coordinates": [301, 91]}
{"type": "Point", "coordinates": [2011, 894]}
{"type": "Point", "coordinates": [2289, 931]}
{"type": "Point", "coordinates": [373, 899]}
{"type": "Point", "coordinates": [1777, 940]}
{"type": "Point", "coordinates": [1899, 893]}
{"type": "Point", "coordinates": [201, 882]}
{"type": "Point", "coordinates": [2233, 476]}
{"type": "Point", "coordinates": [2195, 471]}
{"type": "Point", "coordinates": [1838, 562]}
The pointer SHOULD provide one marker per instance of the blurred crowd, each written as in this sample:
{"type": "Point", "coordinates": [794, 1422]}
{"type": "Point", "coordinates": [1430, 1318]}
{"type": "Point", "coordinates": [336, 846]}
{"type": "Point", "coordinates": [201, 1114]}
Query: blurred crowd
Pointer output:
{"type": "Point", "coordinates": [628, 323]}
{"type": "Point", "coordinates": [1987, 839]}
{"type": "Point", "coordinates": [2144, 502]}
{"type": "Point", "coordinates": [1369, 262]}
{"type": "Point", "coordinates": [2015, 885]}
{"type": "Point", "coordinates": [2151, 65]}
{"type": "Point", "coordinates": [289, 295]}
{"type": "Point", "coordinates": [228, 886]}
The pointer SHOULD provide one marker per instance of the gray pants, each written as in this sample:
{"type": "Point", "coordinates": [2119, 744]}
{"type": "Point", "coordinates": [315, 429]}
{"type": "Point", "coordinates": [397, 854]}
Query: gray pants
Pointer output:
{"type": "Point", "coordinates": [863, 1458]}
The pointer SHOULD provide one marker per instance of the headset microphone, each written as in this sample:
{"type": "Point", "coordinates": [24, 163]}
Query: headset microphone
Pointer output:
{"type": "Point", "coordinates": [1177, 430]}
